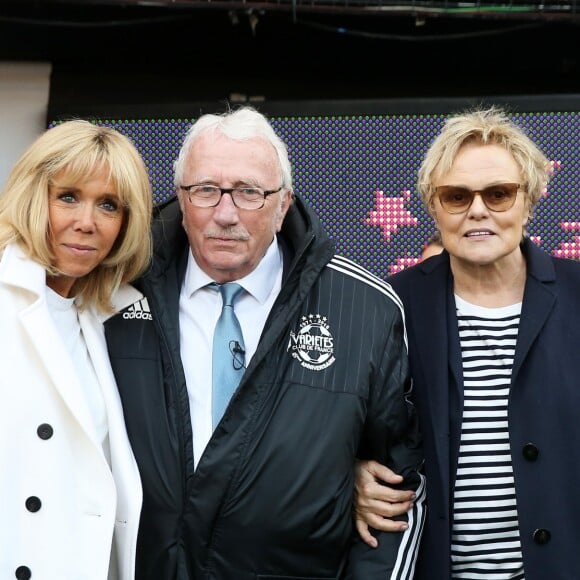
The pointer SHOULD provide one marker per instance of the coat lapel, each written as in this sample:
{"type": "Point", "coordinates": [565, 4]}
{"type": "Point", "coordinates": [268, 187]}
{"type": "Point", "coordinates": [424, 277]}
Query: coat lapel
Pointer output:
{"type": "Point", "coordinates": [429, 307]}
{"type": "Point", "coordinates": [122, 463]}
{"type": "Point", "coordinates": [29, 279]}
{"type": "Point", "coordinates": [16, 269]}
{"type": "Point", "coordinates": [97, 347]}
{"type": "Point", "coordinates": [539, 300]}
{"type": "Point", "coordinates": [45, 340]}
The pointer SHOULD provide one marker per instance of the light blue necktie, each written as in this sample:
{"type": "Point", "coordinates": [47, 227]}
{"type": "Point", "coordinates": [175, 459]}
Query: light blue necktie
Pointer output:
{"type": "Point", "coordinates": [228, 352]}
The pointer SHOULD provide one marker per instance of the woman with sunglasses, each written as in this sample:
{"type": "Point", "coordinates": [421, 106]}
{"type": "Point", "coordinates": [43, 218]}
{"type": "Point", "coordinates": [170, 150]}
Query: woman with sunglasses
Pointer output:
{"type": "Point", "coordinates": [494, 329]}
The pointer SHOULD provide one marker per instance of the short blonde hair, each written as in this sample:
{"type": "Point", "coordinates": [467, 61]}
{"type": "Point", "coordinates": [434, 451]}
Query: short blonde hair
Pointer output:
{"type": "Point", "coordinates": [79, 149]}
{"type": "Point", "coordinates": [486, 127]}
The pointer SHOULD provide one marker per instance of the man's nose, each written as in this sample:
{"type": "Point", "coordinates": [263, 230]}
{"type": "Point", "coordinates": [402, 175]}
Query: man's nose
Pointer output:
{"type": "Point", "coordinates": [226, 212]}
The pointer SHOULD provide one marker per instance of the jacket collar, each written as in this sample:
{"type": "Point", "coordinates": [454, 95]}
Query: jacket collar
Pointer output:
{"type": "Point", "coordinates": [18, 270]}
{"type": "Point", "coordinates": [301, 231]}
{"type": "Point", "coordinates": [123, 297]}
{"type": "Point", "coordinates": [539, 265]}
{"type": "Point", "coordinates": [306, 250]}
{"type": "Point", "coordinates": [539, 301]}
{"type": "Point", "coordinates": [170, 243]}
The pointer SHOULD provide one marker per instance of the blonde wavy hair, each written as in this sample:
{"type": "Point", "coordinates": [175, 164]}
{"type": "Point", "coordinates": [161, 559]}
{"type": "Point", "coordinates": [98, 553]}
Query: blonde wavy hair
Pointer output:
{"type": "Point", "coordinates": [486, 127]}
{"type": "Point", "coordinates": [77, 150]}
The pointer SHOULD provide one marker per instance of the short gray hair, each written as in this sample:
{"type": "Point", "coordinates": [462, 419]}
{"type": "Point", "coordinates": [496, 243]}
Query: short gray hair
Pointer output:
{"type": "Point", "coordinates": [242, 124]}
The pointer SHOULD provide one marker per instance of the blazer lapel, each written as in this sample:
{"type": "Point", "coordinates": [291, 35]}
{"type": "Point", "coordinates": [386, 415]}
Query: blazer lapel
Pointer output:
{"type": "Point", "coordinates": [429, 307]}
{"type": "Point", "coordinates": [539, 300]}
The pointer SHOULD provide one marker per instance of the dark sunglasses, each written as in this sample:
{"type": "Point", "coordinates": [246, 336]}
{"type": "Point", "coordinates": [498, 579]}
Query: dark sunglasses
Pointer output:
{"type": "Point", "coordinates": [498, 197]}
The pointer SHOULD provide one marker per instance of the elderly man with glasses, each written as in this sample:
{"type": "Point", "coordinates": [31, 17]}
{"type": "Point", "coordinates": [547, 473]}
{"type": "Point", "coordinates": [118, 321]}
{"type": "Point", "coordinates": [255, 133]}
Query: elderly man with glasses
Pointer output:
{"type": "Point", "coordinates": [259, 367]}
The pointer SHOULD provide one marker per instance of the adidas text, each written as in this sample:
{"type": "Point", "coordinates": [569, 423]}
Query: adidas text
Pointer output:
{"type": "Point", "coordinates": [139, 311]}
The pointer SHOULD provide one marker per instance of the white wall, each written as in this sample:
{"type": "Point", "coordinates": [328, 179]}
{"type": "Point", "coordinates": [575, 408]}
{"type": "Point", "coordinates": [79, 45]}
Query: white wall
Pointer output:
{"type": "Point", "coordinates": [24, 89]}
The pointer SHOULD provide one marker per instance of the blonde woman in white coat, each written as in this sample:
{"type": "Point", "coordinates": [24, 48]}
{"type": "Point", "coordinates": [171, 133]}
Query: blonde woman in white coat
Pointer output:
{"type": "Point", "coordinates": [74, 228]}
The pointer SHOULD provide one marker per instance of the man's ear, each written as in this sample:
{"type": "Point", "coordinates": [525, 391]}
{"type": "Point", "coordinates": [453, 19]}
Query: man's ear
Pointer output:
{"type": "Point", "coordinates": [286, 201]}
{"type": "Point", "coordinates": [180, 200]}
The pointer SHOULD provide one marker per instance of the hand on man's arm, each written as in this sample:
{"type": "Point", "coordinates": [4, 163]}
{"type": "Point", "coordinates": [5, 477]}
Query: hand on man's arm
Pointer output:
{"type": "Point", "coordinates": [376, 503]}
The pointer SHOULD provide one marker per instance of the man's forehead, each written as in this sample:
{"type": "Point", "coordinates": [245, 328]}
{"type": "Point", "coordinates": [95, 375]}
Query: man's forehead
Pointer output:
{"type": "Point", "coordinates": [211, 140]}
{"type": "Point", "coordinates": [220, 151]}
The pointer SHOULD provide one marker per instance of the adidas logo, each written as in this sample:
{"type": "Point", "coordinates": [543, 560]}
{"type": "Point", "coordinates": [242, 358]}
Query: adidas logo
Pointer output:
{"type": "Point", "coordinates": [140, 311]}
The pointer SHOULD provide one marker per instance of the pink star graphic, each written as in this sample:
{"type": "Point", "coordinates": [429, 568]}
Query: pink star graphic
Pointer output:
{"type": "Point", "coordinates": [553, 166]}
{"type": "Point", "coordinates": [402, 263]}
{"type": "Point", "coordinates": [569, 249]}
{"type": "Point", "coordinates": [390, 213]}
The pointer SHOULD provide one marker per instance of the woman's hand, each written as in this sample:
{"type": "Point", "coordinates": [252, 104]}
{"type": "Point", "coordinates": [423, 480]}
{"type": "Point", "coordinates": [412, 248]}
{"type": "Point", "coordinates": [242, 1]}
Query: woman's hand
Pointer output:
{"type": "Point", "coordinates": [376, 503]}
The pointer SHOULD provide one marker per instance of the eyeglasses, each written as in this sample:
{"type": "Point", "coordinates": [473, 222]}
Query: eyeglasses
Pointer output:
{"type": "Point", "coordinates": [498, 197]}
{"type": "Point", "coordinates": [204, 195]}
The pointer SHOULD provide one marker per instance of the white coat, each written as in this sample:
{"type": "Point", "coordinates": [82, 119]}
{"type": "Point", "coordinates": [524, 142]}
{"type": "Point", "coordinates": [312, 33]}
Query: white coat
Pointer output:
{"type": "Point", "coordinates": [60, 502]}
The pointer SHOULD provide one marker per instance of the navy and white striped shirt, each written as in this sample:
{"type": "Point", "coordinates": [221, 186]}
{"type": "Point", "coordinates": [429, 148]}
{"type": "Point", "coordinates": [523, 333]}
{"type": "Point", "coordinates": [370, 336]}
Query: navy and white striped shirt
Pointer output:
{"type": "Point", "coordinates": [486, 540]}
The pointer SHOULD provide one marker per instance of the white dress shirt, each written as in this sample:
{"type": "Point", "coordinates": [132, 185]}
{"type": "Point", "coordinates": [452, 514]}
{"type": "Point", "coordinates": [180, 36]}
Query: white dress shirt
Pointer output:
{"type": "Point", "coordinates": [199, 310]}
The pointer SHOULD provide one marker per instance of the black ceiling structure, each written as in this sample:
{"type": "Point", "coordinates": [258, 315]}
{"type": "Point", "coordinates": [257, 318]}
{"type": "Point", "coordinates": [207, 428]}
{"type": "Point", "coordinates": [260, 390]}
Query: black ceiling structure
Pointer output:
{"type": "Point", "coordinates": [547, 10]}
{"type": "Point", "coordinates": [134, 53]}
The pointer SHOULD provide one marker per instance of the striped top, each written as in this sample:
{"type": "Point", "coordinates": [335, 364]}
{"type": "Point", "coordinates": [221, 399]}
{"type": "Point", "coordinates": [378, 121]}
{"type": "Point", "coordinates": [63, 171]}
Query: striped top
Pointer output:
{"type": "Point", "coordinates": [486, 540]}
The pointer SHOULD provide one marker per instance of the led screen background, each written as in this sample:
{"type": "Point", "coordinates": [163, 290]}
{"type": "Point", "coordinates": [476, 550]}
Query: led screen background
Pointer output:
{"type": "Point", "coordinates": [359, 174]}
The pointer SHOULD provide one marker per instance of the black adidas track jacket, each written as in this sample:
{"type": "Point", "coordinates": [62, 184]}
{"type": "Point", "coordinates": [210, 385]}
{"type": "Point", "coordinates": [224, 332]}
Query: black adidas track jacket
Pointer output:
{"type": "Point", "coordinates": [271, 496]}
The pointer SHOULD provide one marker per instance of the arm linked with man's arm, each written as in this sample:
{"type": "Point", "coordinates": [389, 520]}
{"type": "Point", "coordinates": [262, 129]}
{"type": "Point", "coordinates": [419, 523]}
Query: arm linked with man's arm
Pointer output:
{"type": "Point", "coordinates": [376, 504]}
{"type": "Point", "coordinates": [392, 438]}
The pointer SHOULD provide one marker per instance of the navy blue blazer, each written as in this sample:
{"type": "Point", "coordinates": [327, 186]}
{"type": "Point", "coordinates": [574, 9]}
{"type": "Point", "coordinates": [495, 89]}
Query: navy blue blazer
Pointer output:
{"type": "Point", "coordinates": [544, 409]}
